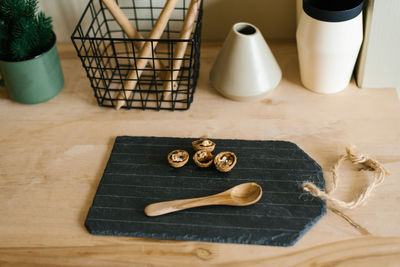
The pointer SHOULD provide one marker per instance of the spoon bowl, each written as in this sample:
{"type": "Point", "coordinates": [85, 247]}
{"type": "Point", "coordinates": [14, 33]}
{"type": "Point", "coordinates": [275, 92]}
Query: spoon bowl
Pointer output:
{"type": "Point", "coordinates": [241, 195]}
{"type": "Point", "coordinates": [246, 194]}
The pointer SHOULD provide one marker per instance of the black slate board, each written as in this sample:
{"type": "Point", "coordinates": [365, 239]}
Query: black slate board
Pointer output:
{"type": "Point", "coordinates": [138, 174]}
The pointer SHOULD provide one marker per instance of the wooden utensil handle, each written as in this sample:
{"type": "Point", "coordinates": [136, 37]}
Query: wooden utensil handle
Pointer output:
{"type": "Point", "coordinates": [131, 31]}
{"type": "Point", "coordinates": [122, 19]}
{"type": "Point", "coordinates": [166, 207]}
{"type": "Point", "coordinates": [180, 50]}
{"type": "Point", "coordinates": [145, 52]}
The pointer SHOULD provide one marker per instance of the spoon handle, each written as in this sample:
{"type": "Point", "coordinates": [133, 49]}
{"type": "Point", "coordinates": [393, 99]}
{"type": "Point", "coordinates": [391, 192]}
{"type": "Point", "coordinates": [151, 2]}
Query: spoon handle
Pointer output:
{"type": "Point", "coordinates": [165, 207]}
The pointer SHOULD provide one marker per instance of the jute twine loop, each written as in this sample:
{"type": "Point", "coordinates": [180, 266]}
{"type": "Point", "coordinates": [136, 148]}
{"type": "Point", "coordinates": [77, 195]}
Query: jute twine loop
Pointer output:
{"type": "Point", "coordinates": [369, 164]}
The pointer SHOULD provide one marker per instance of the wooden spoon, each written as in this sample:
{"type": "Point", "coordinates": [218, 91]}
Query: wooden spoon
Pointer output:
{"type": "Point", "coordinates": [240, 195]}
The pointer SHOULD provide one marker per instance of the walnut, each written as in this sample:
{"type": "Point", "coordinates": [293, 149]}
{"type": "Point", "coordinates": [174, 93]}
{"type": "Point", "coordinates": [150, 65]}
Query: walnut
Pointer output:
{"type": "Point", "coordinates": [203, 144]}
{"type": "Point", "coordinates": [178, 158]}
{"type": "Point", "coordinates": [203, 158]}
{"type": "Point", "coordinates": [225, 161]}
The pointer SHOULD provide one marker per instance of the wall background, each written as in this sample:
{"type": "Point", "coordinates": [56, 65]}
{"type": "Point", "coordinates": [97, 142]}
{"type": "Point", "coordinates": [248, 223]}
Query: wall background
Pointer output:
{"type": "Point", "coordinates": [275, 18]}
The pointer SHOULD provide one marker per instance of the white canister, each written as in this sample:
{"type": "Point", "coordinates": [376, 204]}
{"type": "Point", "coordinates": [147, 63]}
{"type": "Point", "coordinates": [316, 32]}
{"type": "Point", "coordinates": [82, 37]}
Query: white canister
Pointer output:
{"type": "Point", "coordinates": [329, 37]}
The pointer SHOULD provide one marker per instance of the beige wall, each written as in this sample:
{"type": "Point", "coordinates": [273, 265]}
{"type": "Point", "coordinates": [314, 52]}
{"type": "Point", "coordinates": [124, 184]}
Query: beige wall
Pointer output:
{"type": "Point", "coordinates": [275, 18]}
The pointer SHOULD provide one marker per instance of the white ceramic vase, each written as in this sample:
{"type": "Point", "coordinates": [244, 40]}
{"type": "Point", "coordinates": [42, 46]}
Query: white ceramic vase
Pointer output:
{"type": "Point", "coordinates": [245, 68]}
{"type": "Point", "coordinates": [329, 37]}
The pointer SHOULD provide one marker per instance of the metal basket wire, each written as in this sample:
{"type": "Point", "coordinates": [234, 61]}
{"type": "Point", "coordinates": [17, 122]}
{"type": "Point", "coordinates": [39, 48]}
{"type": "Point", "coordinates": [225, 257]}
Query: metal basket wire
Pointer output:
{"type": "Point", "coordinates": [108, 55]}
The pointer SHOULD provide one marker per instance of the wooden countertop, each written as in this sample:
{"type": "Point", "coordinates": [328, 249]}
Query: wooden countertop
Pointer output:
{"type": "Point", "coordinates": [52, 156]}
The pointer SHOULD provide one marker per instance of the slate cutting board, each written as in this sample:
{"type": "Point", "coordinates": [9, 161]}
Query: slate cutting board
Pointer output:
{"type": "Point", "coordinates": [138, 174]}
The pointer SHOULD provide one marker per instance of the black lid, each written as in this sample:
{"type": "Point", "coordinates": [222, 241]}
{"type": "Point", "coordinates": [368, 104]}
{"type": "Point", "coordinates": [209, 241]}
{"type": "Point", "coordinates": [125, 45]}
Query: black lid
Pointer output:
{"type": "Point", "coordinates": [333, 10]}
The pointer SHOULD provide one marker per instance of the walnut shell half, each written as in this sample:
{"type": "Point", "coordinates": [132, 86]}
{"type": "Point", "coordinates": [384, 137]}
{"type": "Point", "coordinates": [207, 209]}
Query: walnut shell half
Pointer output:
{"type": "Point", "coordinates": [178, 158]}
{"type": "Point", "coordinates": [203, 144]}
{"type": "Point", "coordinates": [203, 158]}
{"type": "Point", "coordinates": [225, 161]}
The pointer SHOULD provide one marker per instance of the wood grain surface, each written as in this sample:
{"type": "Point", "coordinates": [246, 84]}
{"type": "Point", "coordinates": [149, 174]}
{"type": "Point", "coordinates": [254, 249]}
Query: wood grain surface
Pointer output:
{"type": "Point", "coordinates": [52, 156]}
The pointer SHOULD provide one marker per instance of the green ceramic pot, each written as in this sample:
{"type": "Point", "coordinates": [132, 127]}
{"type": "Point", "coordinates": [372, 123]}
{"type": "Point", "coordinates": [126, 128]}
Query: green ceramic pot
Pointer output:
{"type": "Point", "coordinates": [34, 80]}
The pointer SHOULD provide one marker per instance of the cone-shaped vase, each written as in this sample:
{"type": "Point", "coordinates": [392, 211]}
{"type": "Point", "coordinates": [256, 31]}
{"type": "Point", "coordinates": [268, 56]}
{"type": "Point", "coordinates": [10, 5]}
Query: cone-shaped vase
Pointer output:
{"type": "Point", "coordinates": [245, 68]}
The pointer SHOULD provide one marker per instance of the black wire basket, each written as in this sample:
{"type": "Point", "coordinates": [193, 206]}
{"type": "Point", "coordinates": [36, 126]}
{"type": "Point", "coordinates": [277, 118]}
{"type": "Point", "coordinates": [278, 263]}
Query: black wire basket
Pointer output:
{"type": "Point", "coordinates": [108, 56]}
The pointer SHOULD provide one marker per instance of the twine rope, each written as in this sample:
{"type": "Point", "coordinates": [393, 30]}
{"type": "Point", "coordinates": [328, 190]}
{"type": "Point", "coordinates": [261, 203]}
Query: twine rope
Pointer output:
{"type": "Point", "coordinates": [368, 163]}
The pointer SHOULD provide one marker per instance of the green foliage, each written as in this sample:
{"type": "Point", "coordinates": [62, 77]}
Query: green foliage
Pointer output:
{"type": "Point", "coordinates": [24, 32]}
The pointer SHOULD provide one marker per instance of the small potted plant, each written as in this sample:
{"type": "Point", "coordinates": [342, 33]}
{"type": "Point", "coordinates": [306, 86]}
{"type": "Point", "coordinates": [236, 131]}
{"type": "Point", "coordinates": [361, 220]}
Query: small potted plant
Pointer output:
{"type": "Point", "coordinates": [29, 63]}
